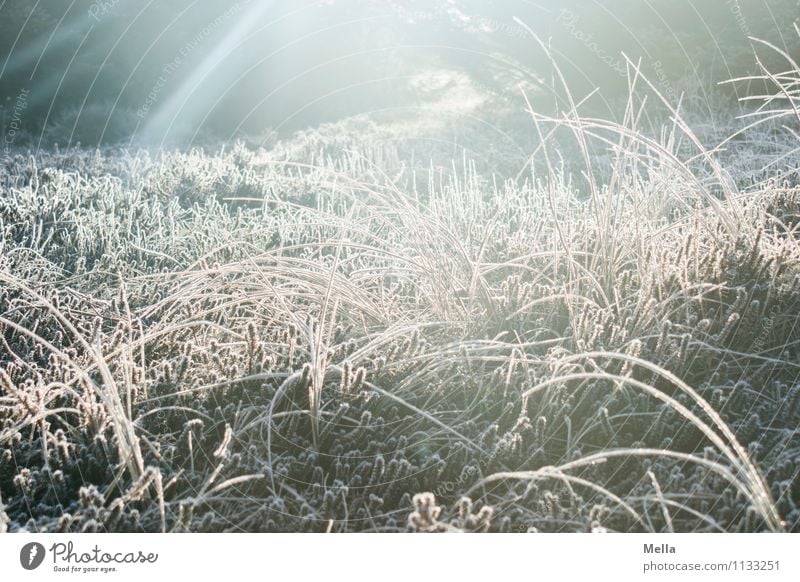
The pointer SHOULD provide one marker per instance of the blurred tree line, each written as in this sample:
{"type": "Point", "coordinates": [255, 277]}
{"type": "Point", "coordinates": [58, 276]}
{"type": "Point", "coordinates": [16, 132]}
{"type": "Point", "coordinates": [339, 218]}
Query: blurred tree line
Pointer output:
{"type": "Point", "coordinates": [88, 65]}
{"type": "Point", "coordinates": [87, 70]}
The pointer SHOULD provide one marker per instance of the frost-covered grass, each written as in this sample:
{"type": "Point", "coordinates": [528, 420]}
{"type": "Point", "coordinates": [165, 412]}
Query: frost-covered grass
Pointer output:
{"type": "Point", "coordinates": [244, 340]}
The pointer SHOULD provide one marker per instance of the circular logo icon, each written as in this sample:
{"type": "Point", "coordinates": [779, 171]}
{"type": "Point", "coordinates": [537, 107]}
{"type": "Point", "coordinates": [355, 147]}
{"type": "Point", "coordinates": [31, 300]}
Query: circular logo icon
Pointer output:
{"type": "Point", "coordinates": [31, 555]}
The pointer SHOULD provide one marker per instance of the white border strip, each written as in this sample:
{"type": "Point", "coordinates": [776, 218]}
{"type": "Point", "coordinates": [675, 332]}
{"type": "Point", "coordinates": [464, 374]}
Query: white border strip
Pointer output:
{"type": "Point", "coordinates": [386, 557]}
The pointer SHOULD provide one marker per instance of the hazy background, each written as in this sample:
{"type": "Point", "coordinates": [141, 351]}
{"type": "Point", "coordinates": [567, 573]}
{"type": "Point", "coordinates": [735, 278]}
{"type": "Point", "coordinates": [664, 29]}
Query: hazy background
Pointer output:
{"type": "Point", "coordinates": [185, 71]}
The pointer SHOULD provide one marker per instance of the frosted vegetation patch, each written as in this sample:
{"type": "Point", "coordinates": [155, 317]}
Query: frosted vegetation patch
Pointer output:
{"type": "Point", "coordinates": [312, 339]}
